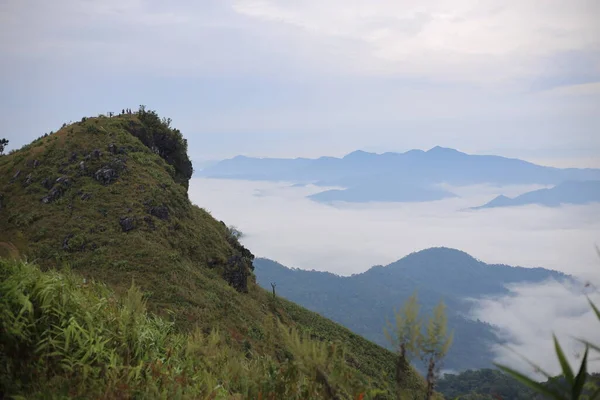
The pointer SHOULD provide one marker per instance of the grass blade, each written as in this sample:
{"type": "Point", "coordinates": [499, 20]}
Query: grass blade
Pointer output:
{"type": "Point", "coordinates": [533, 365]}
{"type": "Point", "coordinates": [564, 363]}
{"type": "Point", "coordinates": [581, 377]}
{"type": "Point", "coordinates": [589, 345]}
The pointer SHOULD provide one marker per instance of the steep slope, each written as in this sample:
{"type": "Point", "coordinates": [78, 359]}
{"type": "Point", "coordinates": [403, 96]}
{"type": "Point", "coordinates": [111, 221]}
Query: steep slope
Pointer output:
{"type": "Point", "coordinates": [362, 302]}
{"type": "Point", "coordinates": [398, 177]}
{"type": "Point", "coordinates": [107, 198]}
{"type": "Point", "coordinates": [572, 192]}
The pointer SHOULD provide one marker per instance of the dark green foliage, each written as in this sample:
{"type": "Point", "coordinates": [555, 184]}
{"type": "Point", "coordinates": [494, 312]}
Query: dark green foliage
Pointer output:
{"type": "Point", "coordinates": [3, 145]}
{"type": "Point", "coordinates": [167, 142]}
{"type": "Point", "coordinates": [484, 384]}
{"type": "Point", "coordinates": [493, 384]}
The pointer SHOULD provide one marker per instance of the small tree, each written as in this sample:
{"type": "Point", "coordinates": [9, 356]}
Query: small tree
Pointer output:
{"type": "Point", "coordinates": [410, 341]}
{"type": "Point", "coordinates": [3, 144]}
{"type": "Point", "coordinates": [434, 345]}
{"type": "Point", "coordinates": [405, 337]}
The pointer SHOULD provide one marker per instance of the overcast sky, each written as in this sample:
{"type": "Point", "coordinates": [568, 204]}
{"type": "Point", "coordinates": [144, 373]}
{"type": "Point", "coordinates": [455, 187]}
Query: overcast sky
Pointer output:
{"type": "Point", "coordinates": [311, 78]}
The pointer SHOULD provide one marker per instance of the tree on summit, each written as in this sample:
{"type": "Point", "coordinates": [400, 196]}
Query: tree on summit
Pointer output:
{"type": "Point", "coordinates": [3, 144]}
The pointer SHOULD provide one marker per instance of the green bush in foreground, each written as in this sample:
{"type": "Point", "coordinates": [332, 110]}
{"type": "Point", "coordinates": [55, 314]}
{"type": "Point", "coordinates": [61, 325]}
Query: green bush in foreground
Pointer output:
{"type": "Point", "coordinates": [61, 337]}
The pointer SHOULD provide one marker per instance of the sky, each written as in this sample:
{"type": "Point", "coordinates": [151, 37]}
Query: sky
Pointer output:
{"type": "Point", "coordinates": [311, 78]}
{"type": "Point", "coordinates": [280, 223]}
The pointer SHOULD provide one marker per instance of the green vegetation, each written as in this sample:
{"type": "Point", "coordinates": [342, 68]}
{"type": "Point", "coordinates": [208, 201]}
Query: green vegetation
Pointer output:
{"type": "Point", "coordinates": [493, 384]}
{"type": "Point", "coordinates": [69, 338]}
{"type": "Point", "coordinates": [105, 200]}
{"type": "Point", "coordinates": [483, 384]}
{"type": "Point", "coordinates": [3, 144]}
{"type": "Point", "coordinates": [410, 340]}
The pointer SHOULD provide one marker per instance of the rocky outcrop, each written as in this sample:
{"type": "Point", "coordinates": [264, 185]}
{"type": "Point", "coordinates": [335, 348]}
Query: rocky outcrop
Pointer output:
{"type": "Point", "coordinates": [237, 272]}
{"type": "Point", "coordinates": [106, 175]}
{"type": "Point", "coordinates": [127, 224]}
{"type": "Point", "coordinates": [160, 212]}
{"type": "Point", "coordinates": [62, 184]}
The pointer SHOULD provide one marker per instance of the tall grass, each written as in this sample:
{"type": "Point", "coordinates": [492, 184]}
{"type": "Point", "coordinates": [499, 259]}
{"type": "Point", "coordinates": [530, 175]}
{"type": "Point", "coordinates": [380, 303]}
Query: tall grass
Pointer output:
{"type": "Point", "coordinates": [61, 337]}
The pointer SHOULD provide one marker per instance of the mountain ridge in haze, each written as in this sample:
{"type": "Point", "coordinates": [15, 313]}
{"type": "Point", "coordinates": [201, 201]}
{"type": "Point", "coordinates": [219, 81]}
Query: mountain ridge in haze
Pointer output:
{"type": "Point", "coordinates": [570, 192]}
{"type": "Point", "coordinates": [412, 176]}
{"type": "Point", "coordinates": [364, 301]}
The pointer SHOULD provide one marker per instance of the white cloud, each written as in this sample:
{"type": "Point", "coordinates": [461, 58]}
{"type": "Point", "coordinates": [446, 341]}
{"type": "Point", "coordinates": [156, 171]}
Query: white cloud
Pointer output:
{"type": "Point", "coordinates": [280, 223]}
{"type": "Point", "coordinates": [528, 317]}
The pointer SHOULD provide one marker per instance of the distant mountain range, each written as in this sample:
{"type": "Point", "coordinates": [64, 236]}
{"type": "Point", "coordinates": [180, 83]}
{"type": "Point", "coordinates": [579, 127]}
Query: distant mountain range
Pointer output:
{"type": "Point", "coordinates": [411, 176]}
{"type": "Point", "coordinates": [364, 301]}
{"type": "Point", "coordinates": [572, 192]}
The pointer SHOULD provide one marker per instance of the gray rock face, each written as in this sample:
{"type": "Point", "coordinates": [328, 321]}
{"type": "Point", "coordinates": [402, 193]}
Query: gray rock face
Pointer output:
{"type": "Point", "coordinates": [236, 273]}
{"type": "Point", "coordinates": [64, 181]}
{"type": "Point", "coordinates": [54, 195]}
{"type": "Point", "coordinates": [160, 212]}
{"type": "Point", "coordinates": [28, 180]}
{"type": "Point", "coordinates": [47, 183]}
{"type": "Point", "coordinates": [62, 184]}
{"type": "Point", "coordinates": [127, 223]}
{"type": "Point", "coordinates": [106, 175]}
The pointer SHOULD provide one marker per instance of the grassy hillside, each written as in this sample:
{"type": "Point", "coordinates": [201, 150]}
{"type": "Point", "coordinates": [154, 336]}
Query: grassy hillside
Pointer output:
{"type": "Point", "coordinates": [107, 198]}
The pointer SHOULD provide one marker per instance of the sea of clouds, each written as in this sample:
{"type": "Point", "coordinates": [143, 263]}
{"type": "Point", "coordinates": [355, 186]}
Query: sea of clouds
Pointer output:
{"type": "Point", "coordinates": [280, 223]}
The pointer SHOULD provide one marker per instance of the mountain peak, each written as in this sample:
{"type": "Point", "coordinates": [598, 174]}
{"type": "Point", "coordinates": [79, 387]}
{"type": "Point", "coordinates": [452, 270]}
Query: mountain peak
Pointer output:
{"type": "Point", "coordinates": [445, 252]}
{"type": "Point", "coordinates": [443, 150]}
{"type": "Point", "coordinates": [358, 154]}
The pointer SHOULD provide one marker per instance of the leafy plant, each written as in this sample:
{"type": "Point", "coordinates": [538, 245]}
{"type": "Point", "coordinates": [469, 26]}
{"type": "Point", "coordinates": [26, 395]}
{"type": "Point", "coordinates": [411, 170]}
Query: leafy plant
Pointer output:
{"type": "Point", "coordinates": [3, 145]}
